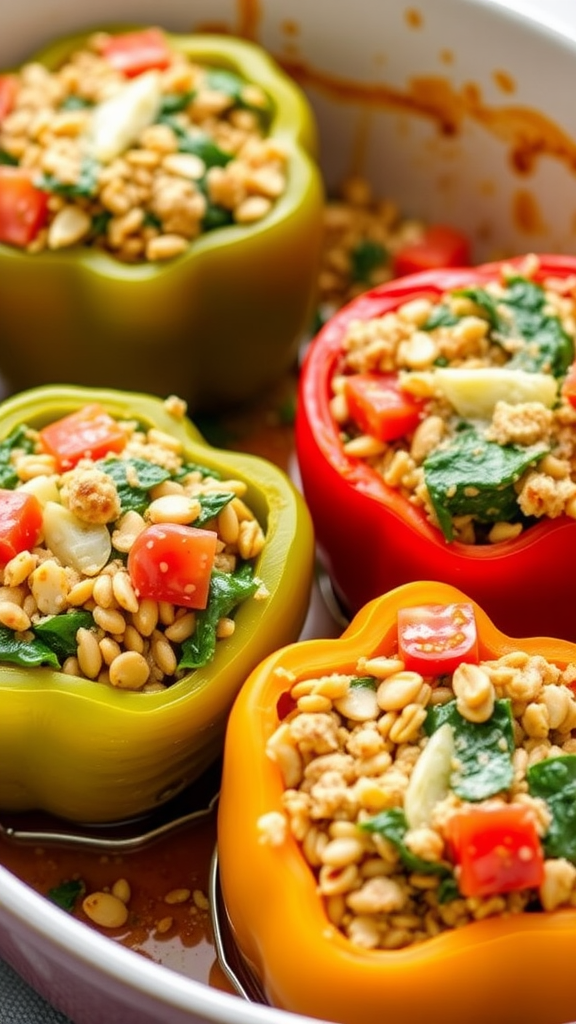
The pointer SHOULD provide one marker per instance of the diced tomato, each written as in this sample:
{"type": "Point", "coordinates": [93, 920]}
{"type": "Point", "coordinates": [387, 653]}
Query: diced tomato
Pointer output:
{"type": "Point", "coordinates": [170, 562]}
{"type": "Point", "coordinates": [88, 433]}
{"type": "Point", "coordinates": [434, 639]}
{"type": "Point", "coordinates": [132, 53]}
{"type": "Point", "coordinates": [497, 849]}
{"type": "Point", "coordinates": [380, 407]}
{"type": "Point", "coordinates": [569, 385]}
{"type": "Point", "coordinates": [8, 90]}
{"type": "Point", "coordinates": [23, 207]}
{"type": "Point", "coordinates": [20, 523]}
{"type": "Point", "coordinates": [441, 246]}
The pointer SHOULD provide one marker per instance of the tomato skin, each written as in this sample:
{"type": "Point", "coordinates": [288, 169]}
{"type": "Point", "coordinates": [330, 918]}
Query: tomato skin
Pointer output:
{"type": "Point", "coordinates": [569, 385]}
{"type": "Point", "coordinates": [497, 849]}
{"type": "Point", "coordinates": [434, 639]}
{"type": "Point", "coordinates": [171, 562]}
{"type": "Point", "coordinates": [20, 523]}
{"type": "Point", "coordinates": [88, 433]}
{"type": "Point", "coordinates": [8, 90]}
{"type": "Point", "coordinates": [441, 246]}
{"type": "Point", "coordinates": [23, 208]}
{"type": "Point", "coordinates": [379, 407]}
{"type": "Point", "coordinates": [133, 53]}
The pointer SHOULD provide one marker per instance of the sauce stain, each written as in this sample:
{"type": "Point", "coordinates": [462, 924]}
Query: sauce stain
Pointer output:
{"type": "Point", "coordinates": [504, 81]}
{"type": "Point", "coordinates": [526, 213]}
{"type": "Point", "coordinates": [413, 17]}
{"type": "Point", "coordinates": [528, 134]}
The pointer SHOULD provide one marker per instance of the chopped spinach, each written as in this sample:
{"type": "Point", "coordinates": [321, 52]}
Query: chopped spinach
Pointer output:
{"type": "Point", "coordinates": [85, 187]}
{"type": "Point", "coordinates": [366, 682]}
{"type": "Point", "coordinates": [211, 505]}
{"type": "Point", "coordinates": [196, 467]}
{"type": "Point", "coordinates": [174, 102]}
{"type": "Point", "coordinates": [75, 103]}
{"type": "Point", "coordinates": [17, 440]}
{"type": "Point", "coordinates": [232, 85]}
{"type": "Point", "coordinates": [472, 476]}
{"type": "Point", "coordinates": [134, 479]}
{"type": "Point", "coordinates": [440, 316]}
{"type": "Point", "coordinates": [554, 780]}
{"type": "Point", "coordinates": [58, 632]}
{"type": "Point", "coordinates": [483, 750]}
{"type": "Point", "coordinates": [26, 653]}
{"type": "Point", "coordinates": [66, 894]}
{"type": "Point", "coordinates": [366, 257]}
{"type": "Point", "coordinates": [198, 143]}
{"type": "Point", "coordinates": [7, 160]}
{"type": "Point", "coordinates": [393, 826]}
{"type": "Point", "coordinates": [100, 223]}
{"type": "Point", "coordinates": [227, 590]}
{"type": "Point", "coordinates": [521, 313]}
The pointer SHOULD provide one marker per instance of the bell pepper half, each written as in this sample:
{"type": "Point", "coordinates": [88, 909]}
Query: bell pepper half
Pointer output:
{"type": "Point", "coordinates": [373, 539]}
{"type": "Point", "coordinates": [217, 324]}
{"type": "Point", "coordinates": [508, 967]}
{"type": "Point", "coordinates": [93, 753]}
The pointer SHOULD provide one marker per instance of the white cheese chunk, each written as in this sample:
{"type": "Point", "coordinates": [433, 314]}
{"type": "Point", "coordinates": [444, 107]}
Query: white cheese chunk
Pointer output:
{"type": "Point", "coordinates": [118, 121]}
{"type": "Point", "coordinates": [474, 392]}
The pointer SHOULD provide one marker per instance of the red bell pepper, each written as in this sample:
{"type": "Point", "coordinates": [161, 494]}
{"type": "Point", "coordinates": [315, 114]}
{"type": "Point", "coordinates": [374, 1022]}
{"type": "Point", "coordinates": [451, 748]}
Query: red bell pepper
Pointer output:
{"type": "Point", "coordinates": [373, 539]}
{"type": "Point", "coordinates": [440, 246]}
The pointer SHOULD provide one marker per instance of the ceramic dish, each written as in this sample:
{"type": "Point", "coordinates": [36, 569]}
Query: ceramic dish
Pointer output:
{"type": "Point", "coordinates": [460, 110]}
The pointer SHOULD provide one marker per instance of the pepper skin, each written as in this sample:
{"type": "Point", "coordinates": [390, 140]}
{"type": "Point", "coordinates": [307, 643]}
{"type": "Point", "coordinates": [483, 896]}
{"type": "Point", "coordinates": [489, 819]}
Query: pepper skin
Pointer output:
{"type": "Point", "coordinates": [88, 752]}
{"type": "Point", "coordinates": [511, 969]}
{"type": "Point", "coordinates": [373, 539]}
{"type": "Point", "coordinates": [216, 325]}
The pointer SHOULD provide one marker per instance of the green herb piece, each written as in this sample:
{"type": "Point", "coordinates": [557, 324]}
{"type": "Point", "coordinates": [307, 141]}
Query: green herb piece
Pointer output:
{"type": "Point", "coordinates": [554, 780]}
{"type": "Point", "coordinates": [448, 891]}
{"type": "Point", "coordinates": [365, 258]}
{"type": "Point", "coordinates": [440, 316]}
{"type": "Point", "coordinates": [26, 653]}
{"type": "Point", "coordinates": [175, 102]}
{"type": "Point", "coordinates": [472, 476]}
{"type": "Point", "coordinates": [76, 103]}
{"type": "Point", "coordinates": [521, 313]}
{"type": "Point", "coordinates": [18, 440]}
{"type": "Point", "coordinates": [67, 894]}
{"type": "Point", "coordinates": [85, 187]}
{"type": "Point", "coordinates": [100, 223]}
{"type": "Point", "coordinates": [197, 142]}
{"type": "Point", "coordinates": [134, 497]}
{"type": "Point", "coordinates": [211, 505]}
{"type": "Point", "coordinates": [58, 632]}
{"type": "Point", "coordinates": [228, 82]}
{"type": "Point", "coordinates": [7, 160]}
{"type": "Point", "coordinates": [196, 467]}
{"type": "Point", "coordinates": [227, 590]}
{"type": "Point", "coordinates": [216, 217]}
{"type": "Point", "coordinates": [366, 682]}
{"type": "Point", "coordinates": [483, 750]}
{"type": "Point", "coordinates": [393, 826]}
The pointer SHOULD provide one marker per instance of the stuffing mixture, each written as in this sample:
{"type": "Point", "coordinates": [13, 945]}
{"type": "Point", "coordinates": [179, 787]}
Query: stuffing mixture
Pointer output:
{"type": "Point", "coordinates": [393, 779]}
{"type": "Point", "coordinates": [114, 579]}
{"type": "Point", "coordinates": [460, 404]}
{"type": "Point", "coordinates": [140, 161]}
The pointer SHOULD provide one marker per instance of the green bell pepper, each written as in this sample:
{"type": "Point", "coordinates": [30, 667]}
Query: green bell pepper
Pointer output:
{"type": "Point", "coordinates": [87, 751]}
{"type": "Point", "coordinates": [217, 324]}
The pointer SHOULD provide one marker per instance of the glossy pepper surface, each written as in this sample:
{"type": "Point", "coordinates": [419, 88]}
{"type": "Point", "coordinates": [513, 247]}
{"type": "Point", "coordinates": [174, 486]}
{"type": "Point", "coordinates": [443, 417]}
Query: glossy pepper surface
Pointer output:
{"type": "Point", "coordinates": [510, 968]}
{"type": "Point", "coordinates": [374, 539]}
{"type": "Point", "coordinates": [89, 752]}
{"type": "Point", "coordinates": [216, 324]}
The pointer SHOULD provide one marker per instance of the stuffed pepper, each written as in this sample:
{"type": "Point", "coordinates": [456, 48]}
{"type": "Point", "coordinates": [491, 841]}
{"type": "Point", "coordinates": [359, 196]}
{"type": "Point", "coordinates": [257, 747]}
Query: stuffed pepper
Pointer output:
{"type": "Point", "coordinates": [143, 574]}
{"type": "Point", "coordinates": [403, 797]}
{"type": "Point", "coordinates": [436, 439]}
{"type": "Point", "coordinates": [160, 200]}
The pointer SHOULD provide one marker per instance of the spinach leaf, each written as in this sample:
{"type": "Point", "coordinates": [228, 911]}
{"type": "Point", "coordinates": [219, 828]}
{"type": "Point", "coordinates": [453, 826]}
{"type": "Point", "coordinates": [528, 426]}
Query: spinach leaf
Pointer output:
{"type": "Point", "coordinates": [211, 505]}
{"type": "Point", "coordinates": [196, 467]}
{"type": "Point", "coordinates": [198, 143]}
{"type": "Point", "coordinates": [174, 102]}
{"type": "Point", "coordinates": [554, 780]}
{"type": "Point", "coordinates": [86, 186]}
{"type": "Point", "coordinates": [366, 257]}
{"type": "Point", "coordinates": [483, 750]}
{"type": "Point", "coordinates": [521, 313]}
{"type": "Point", "coordinates": [472, 476]}
{"type": "Point", "coordinates": [26, 653]}
{"type": "Point", "coordinates": [18, 439]}
{"type": "Point", "coordinates": [440, 316]}
{"type": "Point", "coordinates": [66, 894]}
{"type": "Point", "coordinates": [134, 479]}
{"type": "Point", "coordinates": [58, 632]}
{"type": "Point", "coordinates": [232, 85]}
{"type": "Point", "coordinates": [76, 103]}
{"type": "Point", "coordinates": [368, 682]}
{"type": "Point", "coordinates": [393, 826]}
{"type": "Point", "coordinates": [227, 590]}
{"type": "Point", "coordinates": [7, 160]}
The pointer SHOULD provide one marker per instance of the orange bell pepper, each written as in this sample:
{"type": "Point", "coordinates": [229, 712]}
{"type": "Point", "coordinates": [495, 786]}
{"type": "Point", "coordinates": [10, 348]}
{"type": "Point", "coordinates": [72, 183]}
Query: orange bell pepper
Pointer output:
{"type": "Point", "coordinates": [511, 968]}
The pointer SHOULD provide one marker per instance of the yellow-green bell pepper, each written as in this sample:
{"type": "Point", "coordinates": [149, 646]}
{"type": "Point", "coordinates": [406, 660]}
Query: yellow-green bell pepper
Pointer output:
{"type": "Point", "coordinates": [90, 752]}
{"type": "Point", "coordinates": [217, 324]}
